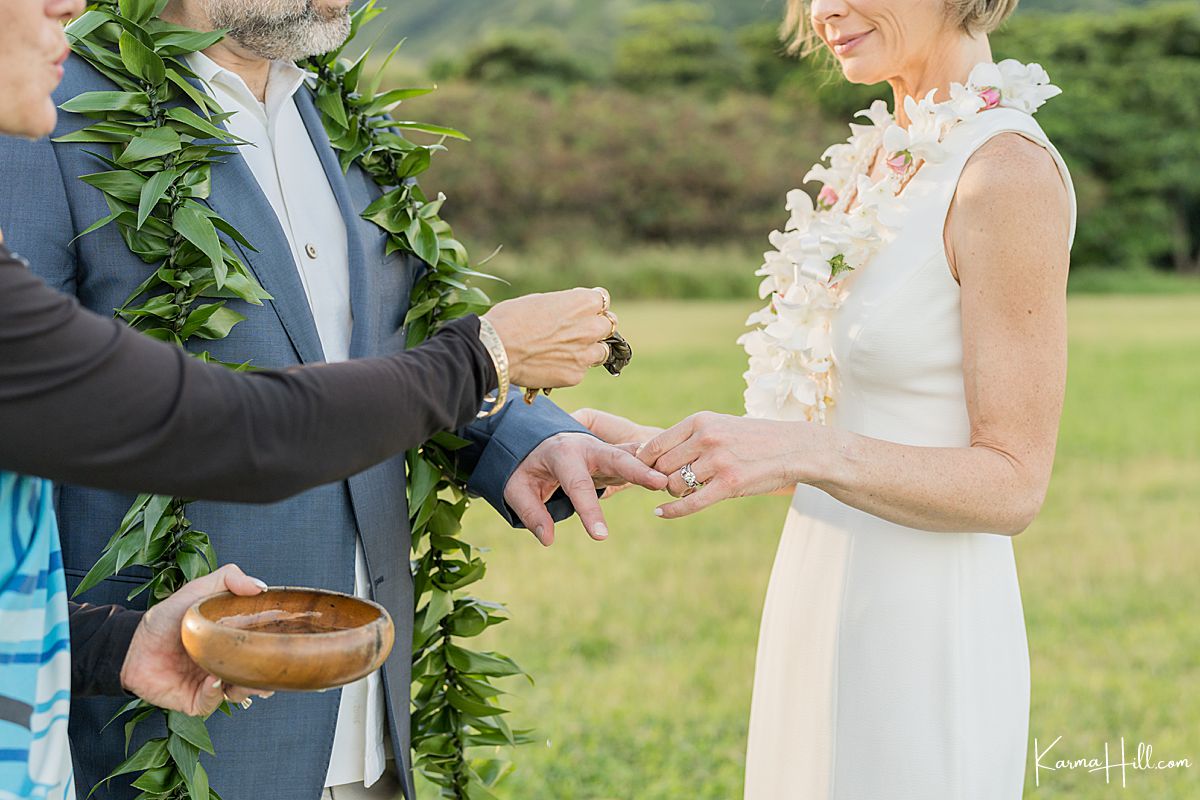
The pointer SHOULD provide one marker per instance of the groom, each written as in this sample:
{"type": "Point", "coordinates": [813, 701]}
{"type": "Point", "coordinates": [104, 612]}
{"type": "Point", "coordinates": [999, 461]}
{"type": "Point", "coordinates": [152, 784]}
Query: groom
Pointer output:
{"type": "Point", "coordinates": [337, 295]}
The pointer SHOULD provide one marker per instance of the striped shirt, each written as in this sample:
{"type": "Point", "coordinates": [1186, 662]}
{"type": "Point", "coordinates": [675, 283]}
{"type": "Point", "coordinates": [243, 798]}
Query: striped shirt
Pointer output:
{"type": "Point", "coordinates": [35, 645]}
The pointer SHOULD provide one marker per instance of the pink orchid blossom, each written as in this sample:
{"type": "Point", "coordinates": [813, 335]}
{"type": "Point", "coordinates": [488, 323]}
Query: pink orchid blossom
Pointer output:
{"type": "Point", "coordinates": [900, 162]}
{"type": "Point", "coordinates": [990, 97]}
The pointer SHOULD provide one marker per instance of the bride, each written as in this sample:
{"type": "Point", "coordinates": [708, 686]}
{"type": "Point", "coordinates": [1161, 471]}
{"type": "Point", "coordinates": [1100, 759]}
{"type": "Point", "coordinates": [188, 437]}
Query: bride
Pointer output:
{"type": "Point", "coordinates": [906, 381]}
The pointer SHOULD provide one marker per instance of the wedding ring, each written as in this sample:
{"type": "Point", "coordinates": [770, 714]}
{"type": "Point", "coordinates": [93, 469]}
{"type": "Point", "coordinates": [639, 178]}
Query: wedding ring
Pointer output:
{"type": "Point", "coordinates": [605, 299]}
{"type": "Point", "coordinates": [612, 320]}
{"type": "Point", "coordinates": [689, 477]}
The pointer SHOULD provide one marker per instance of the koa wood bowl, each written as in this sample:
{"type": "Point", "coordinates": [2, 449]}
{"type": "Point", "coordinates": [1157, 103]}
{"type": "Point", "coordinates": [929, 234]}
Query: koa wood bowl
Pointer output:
{"type": "Point", "coordinates": [288, 639]}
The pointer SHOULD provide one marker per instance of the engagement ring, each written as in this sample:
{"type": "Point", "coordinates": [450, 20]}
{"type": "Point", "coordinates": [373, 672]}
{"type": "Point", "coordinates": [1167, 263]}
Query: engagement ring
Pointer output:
{"type": "Point", "coordinates": [689, 477]}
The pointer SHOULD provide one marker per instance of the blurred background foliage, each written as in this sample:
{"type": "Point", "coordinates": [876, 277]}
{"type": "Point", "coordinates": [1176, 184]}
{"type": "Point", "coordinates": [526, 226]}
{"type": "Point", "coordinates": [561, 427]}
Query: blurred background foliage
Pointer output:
{"type": "Point", "coordinates": [652, 143]}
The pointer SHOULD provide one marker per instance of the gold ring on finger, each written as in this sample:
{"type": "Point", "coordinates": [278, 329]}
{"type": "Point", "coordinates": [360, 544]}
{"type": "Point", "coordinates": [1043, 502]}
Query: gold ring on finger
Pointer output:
{"type": "Point", "coordinates": [605, 298]}
{"type": "Point", "coordinates": [607, 355]}
{"type": "Point", "coordinates": [608, 315]}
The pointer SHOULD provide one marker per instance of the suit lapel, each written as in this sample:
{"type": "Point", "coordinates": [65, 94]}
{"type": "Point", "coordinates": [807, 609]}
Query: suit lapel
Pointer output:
{"type": "Point", "coordinates": [241, 198]}
{"type": "Point", "coordinates": [362, 303]}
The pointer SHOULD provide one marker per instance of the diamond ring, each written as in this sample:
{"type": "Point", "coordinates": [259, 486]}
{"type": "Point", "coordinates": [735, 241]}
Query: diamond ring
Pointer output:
{"type": "Point", "coordinates": [689, 477]}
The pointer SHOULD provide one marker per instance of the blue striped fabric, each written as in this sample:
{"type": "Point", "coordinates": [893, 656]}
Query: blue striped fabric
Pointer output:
{"type": "Point", "coordinates": [35, 646]}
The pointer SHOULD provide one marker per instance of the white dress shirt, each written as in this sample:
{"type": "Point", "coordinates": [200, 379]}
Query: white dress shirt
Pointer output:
{"type": "Point", "coordinates": [284, 161]}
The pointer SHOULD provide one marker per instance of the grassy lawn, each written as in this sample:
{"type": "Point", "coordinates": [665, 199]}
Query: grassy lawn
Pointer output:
{"type": "Point", "coordinates": [643, 647]}
{"type": "Point", "coordinates": [714, 272]}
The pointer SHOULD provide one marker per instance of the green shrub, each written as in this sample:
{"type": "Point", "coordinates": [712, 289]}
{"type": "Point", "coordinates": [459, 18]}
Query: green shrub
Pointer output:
{"type": "Point", "coordinates": [617, 168]}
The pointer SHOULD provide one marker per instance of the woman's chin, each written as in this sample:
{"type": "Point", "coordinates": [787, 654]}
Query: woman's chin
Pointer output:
{"type": "Point", "coordinates": [42, 122]}
{"type": "Point", "coordinates": [857, 70]}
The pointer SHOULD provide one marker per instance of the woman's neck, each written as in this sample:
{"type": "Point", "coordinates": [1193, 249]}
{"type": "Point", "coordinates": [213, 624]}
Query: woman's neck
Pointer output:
{"type": "Point", "coordinates": [947, 65]}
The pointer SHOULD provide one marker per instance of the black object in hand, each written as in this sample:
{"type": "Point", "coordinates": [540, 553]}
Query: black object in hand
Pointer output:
{"type": "Point", "coordinates": [620, 354]}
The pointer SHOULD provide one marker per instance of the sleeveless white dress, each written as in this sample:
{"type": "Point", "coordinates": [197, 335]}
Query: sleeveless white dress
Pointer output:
{"type": "Point", "coordinates": [892, 662]}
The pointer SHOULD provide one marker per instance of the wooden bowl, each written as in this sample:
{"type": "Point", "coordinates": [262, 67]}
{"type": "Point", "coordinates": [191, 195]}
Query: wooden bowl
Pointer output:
{"type": "Point", "coordinates": [288, 639]}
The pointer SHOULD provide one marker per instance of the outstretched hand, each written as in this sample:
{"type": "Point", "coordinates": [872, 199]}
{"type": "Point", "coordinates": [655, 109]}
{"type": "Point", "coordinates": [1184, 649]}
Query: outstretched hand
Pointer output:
{"type": "Point", "coordinates": [157, 667]}
{"type": "Point", "coordinates": [578, 463]}
{"type": "Point", "coordinates": [616, 430]}
{"type": "Point", "coordinates": [729, 457]}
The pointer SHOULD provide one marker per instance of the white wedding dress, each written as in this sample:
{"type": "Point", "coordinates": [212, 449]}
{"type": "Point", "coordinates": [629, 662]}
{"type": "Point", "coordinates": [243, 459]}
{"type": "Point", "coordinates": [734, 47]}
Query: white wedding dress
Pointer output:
{"type": "Point", "coordinates": [892, 662]}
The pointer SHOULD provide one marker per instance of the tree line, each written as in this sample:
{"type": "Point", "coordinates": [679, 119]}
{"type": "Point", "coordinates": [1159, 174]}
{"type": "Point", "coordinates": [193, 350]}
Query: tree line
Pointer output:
{"type": "Point", "coordinates": [692, 133]}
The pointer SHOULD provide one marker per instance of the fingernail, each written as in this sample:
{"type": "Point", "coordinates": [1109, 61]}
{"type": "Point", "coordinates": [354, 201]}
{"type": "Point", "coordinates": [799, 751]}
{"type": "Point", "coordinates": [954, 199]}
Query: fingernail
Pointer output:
{"type": "Point", "coordinates": [260, 584]}
{"type": "Point", "coordinates": [658, 512]}
{"type": "Point", "coordinates": [539, 532]}
{"type": "Point", "coordinates": [600, 531]}
{"type": "Point", "coordinates": [216, 684]}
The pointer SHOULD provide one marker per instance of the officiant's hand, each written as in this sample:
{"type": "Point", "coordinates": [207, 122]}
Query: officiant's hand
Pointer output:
{"type": "Point", "coordinates": [158, 669]}
{"type": "Point", "coordinates": [553, 339]}
{"type": "Point", "coordinates": [579, 463]}
{"type": "Point", "coordinates": [617, 430]}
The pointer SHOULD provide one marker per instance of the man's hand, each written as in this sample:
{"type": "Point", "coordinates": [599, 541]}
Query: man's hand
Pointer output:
{"type": "Point", "coordinates": [579, 463]}
{"type": "Point", "coordinates": [616, 430]}
{"type": "Point", "coordinates": [158, 669]}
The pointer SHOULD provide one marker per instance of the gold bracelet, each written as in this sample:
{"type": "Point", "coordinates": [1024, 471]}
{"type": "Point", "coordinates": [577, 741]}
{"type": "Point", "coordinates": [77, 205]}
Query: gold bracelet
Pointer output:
{"type": "Point", "coordinates": [495, 347]}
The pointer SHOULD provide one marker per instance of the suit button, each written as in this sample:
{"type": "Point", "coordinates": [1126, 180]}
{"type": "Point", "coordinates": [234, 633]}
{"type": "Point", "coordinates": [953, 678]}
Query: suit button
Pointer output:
{"type": "Point", "coordinates": [311, 250]}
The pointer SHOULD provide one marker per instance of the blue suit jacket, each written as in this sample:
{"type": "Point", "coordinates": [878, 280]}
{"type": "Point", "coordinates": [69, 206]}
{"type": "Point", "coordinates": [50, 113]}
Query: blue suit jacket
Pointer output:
{"type": "Point", "coordinates": [280, 748]}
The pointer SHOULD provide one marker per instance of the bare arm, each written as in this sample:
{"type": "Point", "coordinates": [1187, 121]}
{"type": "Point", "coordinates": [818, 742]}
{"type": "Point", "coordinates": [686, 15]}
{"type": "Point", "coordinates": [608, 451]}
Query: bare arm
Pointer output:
{"type": "Point", "coordinates": [1007, 238]}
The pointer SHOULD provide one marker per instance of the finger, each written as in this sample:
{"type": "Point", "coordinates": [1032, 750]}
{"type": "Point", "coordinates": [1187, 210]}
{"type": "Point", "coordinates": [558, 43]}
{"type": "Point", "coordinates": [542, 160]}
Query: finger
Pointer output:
{"type": "Point", "coordinates": [588, 418]}
{"type": "Point", "coordinates": [614, 483]}
{"type": "Point", "coordinates": [598, 353]}
{"type": "Point", "coordinates": [592, 302]}
{"type": "Point", "coordinates": [595, 329]}
{"type": "Point", "coordinates": [603, 297]}
{"type": "Point", "coordinates": [240, 694]}
{"type": "Point", "coordinates": [609, 427]}
{"type": "Point", "coordinates": [224, 579]}
{"type": "Point", "coordinates": [710, 494]}
{"type": "Point", "coordinates": [672, 463]}
{"type": "Point", "coordinates": [579, 486]}
{"type": "Point", "coordinates": [238, 582]}
{"type": "Point", "coordinates": [618, 463]}
{"type": "Point", "coordinates": [525, 499]}
{"type": "Point", "coordinates": [666, 441]}
{"type": "Point", "coordinates": [702, 470]}
{"type": "Point", "coordinates": [209, 697]}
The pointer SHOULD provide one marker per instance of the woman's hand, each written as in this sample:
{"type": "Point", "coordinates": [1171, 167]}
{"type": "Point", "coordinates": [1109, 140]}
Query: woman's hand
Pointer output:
{"type": "Point", "coordinates": [617, 430]}
{"type": "Point", "coordinates": [554, 339]}
{"type": "Point", "coordinates": [158, 669]}
{"type": "Point", "coordinates": [731, 457]}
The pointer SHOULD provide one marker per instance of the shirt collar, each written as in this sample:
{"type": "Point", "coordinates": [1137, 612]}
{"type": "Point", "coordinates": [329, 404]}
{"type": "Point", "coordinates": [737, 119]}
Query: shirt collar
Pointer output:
{"type": "Point", "coordinates": [283, 82]}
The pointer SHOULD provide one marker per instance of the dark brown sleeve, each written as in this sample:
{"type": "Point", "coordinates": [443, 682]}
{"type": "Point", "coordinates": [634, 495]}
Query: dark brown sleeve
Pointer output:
{"type": "Point", "coordinates": [100, 637]}
{"type": "Point", "coordinates": [85, 400]}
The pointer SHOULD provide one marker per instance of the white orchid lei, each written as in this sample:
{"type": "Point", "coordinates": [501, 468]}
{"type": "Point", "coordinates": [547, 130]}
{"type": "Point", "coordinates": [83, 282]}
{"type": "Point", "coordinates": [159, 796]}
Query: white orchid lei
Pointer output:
{"type": "Point", "coordinates": [790, 374]}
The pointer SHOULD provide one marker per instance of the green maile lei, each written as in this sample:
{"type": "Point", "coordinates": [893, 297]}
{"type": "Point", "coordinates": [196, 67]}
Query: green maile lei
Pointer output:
{"type": "Point", "coordinates": [163, 135]}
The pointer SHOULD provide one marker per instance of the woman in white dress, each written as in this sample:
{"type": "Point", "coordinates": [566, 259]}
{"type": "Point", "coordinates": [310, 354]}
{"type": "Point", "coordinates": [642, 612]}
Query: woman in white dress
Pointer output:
{"type": "Point", "coordinates": [906, 381]}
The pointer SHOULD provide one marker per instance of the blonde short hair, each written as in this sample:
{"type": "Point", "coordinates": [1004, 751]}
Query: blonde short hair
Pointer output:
{"type": "Point", "coordinates": [973, 16]}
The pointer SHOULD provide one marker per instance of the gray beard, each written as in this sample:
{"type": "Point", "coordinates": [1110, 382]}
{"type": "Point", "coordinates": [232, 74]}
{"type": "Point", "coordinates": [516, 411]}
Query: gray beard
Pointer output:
{"type": "Point", "coordinates": [280, 30]}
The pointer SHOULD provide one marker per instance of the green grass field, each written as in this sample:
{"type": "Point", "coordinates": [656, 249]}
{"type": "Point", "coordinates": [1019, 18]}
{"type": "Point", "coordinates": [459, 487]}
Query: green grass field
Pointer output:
{"type": "Point", "coordinates": [643, 646]}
